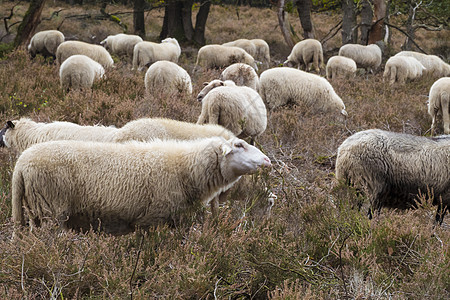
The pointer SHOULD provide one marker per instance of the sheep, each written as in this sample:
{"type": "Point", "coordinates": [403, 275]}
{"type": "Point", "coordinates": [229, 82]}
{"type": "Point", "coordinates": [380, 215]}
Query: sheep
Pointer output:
{"type": "Point", "coordinates": [45, 42]}
{"type": "Point", "coordinates": [96, 52]}
{"type": "Point", "coordinates": [432, 63]}
{"type": "Point", "coordinates": [218, 56]}
{"type": "Point", "coordinates": [240, 109]}
{"type": "Point", "coordinates": [120, 187]}
{"type": "Point", "coordinates": [241, 74]}
{"type": "Point", "coordinates": [146, 53]}
{"type": "Point", "coordinates": [439, 103]}
{"type": "Point", "coordinates": [283, 85]}
{"type": "Point", "coordinates": [168, 76]}
{"type": "Point", "coordinates": [79, 71]}
{"type": "Point", "coordinates": [245, 44]}
{"type": "Point", "coordinates": [392, 169]}
{"type": "Point", "coordinates": [340, 65]}
{"type": "Point", "coordinates": [121, 44]}
{"type": "Point", "coordinates": [368, 57]}
{"type": "Point", "coordinates": [307, 52]}
{"type": "Point", "coordinates": [402, 68]}
{"type": "Point", "coordinates": [262, 52]}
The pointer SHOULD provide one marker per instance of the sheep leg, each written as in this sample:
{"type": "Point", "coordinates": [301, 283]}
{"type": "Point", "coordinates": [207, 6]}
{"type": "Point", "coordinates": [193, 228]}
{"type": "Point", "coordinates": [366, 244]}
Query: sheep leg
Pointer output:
{"type": "Point", "coordinates": [445, 112]}
{"type": "Point", "coordinates": [214, 204]}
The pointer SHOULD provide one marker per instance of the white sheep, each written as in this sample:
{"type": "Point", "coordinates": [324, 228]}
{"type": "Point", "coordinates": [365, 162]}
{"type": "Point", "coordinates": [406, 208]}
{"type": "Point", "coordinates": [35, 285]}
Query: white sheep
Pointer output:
{"type": "Point", "coordinates": [96, 52]}
{"type": "Point", "coordinates": [146, 53]}
{"type": "Point", "coordinates": [121, 44]}
{"type": "Point", "coordinates": [218, 56]}
{"type": "Point", "coordinates": [368, 57]}
{"type": "Point", "coordinates": [432, 63]}
{"type": "Point", "coordinates": [340, 66]}
{"type": "Point", "coordinates": [245, 44]}
{"type": "Point", "coordinates": [45, 42]}
{"type": "Point", "coordinates": [242, 75]}
{"type": "Point", "coordinates": [391, 169]}
{"type": "Point", "coordinates": [402, 68]}
{"type": "Point", "coordinates": [262, 52]}
{"type": "Point", "coordinates": [168, 76]}
{"type": "Point", "coordinates": [306, 53]}
{"type": "Point", "coordinates": [439, 103]}
{"type": "Point", "coordinates": [120, 187]}
{"type": "Point", "coordinates": [283, 85]}
{"type": "Point", "coordinates": [79, 72]}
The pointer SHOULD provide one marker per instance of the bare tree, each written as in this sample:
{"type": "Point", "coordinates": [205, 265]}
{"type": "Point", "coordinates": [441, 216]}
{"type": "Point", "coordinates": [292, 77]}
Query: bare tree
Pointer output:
{"type": "Point", "coordinates": [349, 33]}
{"type": "Point", "coordinates": [284, 24]}
{"type": "Point", "coordinates": [380, 13]}
{"type": "Point", "coordinates": [138, 17]}
{"type": "Point", "coordinates": [30, 21]}
{"type": "Point", "coordinates": [304, 13]}
{"type": "Point", "coordinates": [366, 21]}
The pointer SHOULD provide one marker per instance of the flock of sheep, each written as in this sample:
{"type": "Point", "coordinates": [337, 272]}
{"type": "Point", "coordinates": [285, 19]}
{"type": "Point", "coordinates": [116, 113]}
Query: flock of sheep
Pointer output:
{"type": "Point", "coordinates": [153, 170]}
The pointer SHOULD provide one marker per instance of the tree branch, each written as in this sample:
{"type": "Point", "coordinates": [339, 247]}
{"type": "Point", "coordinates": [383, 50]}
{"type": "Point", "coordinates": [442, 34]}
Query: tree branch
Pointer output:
{"type": "Point", "coordinates": [402, 31]}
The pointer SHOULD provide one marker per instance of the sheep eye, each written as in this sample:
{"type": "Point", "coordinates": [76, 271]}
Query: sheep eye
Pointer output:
{"type": "Point", "coordinates": [239, 145]}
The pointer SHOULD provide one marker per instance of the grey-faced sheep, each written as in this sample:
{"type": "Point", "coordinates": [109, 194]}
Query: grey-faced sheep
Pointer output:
{"type": "Point", "coordinates": [218, 56]}
{"type": "Point", "coordinates": [439, 103]}
{"type": "Point", "coordinates": [120, 187]}
{"type": "Point", "coordinates": [245, 44]}
{"type": "Point", "coordinates": [45, 42]}
{"type": "Point", "coordinates": [306, 53]}
{"type": "Point", "coordinates": [393, 168]}
{"type": "Point", "coordinates": [281, 86]}
{"type": "Point", "coordinates": [432, 63]}
{"type": "Point", "coordinates": [367, 57]}
{"type": "Point", "coordinates": [95, 52]}
{"type": "Point", "coordinates": [146, 53]}
{"type": "Point", "coordinates": [242, 75]}
{"type": "Point", "coordinates": [402, 68]}
{"type": "Point", "coordinates": [168, 76]}
{"type": "Point", "coordinates": [340, 66]}
{"type": "Point", "coordinates": [79, 72]}
{"type": "Point", "coordinates": [262, 52]}
{"type": "Point", "coordinates": [121, 44]}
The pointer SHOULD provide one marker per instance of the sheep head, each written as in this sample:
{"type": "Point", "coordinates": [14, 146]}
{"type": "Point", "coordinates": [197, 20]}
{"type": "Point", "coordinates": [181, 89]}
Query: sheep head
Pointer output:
{"type": "Point", "coordinates": [9, 125]}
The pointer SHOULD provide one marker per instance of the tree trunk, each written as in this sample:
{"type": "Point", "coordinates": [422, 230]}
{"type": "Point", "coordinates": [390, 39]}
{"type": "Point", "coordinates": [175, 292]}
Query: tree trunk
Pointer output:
{"type": "Point", "coordinates": [186, 17]}
{"type": "Point", "coordinates": [284, 24]}
{"type": "Point", "coordinates": [410, 26]}
{"type": "Point", "coordinates": [377, 29]}
{"type": "Point", "coordinates": [366, 21]}
{"type": "Point", "coordinates": [138, 17]}
{"type": "Point", "coordinates": [200, 22]}
{"type": "Point", "coordinates": [304, 13]}
{"type": "Point", "coordinates": [349, 32]}
{"type": "Point", "coordinates": [173, 22]}
{"type": "Point", "coordinates": [30, 21]}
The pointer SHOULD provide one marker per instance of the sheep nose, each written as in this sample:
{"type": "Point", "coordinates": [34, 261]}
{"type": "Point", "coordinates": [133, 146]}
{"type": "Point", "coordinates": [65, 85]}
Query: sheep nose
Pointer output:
{"type": "Point", "coordinates": [199, 98]}
{"type": "Point", "coordinates": [266, 162]}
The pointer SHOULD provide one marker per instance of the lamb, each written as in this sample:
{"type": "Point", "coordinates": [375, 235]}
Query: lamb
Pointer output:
{"type": "Point", "coordinates": [402, 68]}
{"type": "Point", "coordinates": [306, 53]}
{"type": "Point", "coordinates": [283, 85]}
{"type": "Point", "coordinates": [438, 103]}
{"type": "Point", "coordinates": [218, 56]}
{"type": "Point", "coordinates": [45, 42]}
{"type": "Point", "coordinates": [168, 76]}
{"type": "Point", "coordinates": [95, 52]}
{"type": "Point", "coordinates": [121, 44]}
{"type": "Point", "coordinates": [368, 57]}
{"type": "Point", "coordinates": [146, 53]}
{"type": "Point", "coordinates": [340, 65]}
{"type": "Point", "coordinates": [120, 187]}
{"type": "Point", "coordinates": [432, 63]}
{"type": "Point", "coordinates": [393, 168]}
{"type": "Point", "coordinates": [242, 75]}
{"type": "Point", "coordinates": [79, 72]}
{"type": "Point", "coordinates": [262, 51]}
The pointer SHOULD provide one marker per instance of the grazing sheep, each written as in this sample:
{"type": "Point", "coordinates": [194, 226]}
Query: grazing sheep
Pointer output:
{"type": "Point", "coordinates": [340, 65]}
{"type": "Point", "coordinates": [439, 103]}
{"type": "Point", "coordinates": [79, 72]}
{"type": "Point", "coordinates": [242, 75]}
{"type": "Point", "coordinates": [245, 44]}
{"type": "Point", "coordinates": [146, 53]}
{"type": "Point", "coordinates": [218, 56]}
{"type": "Point", "coordinates": [393, 168]}
{"type": "Point", "coordinates": [262, 52]}
{"type": "Point", "coordinates": [120, 187]}
{"type": "Point", "coordinates": [306, 53]}
{"type": "Point", "coordinates": [208, 86]}
{"type": "Point", "coordinates": [45, 42]}
{"type": "Point", "coordinates": [168, 76]}
{"type": "Point", "coordinates": [432, 63]}
{"type": "Point", "coordinates": [237, 108]}
{"type": "Point", "coordinates": [368, 57]}
{"type": "Point", "coordinates": [402, 68]}
{"type": "Point", "coordinates": [281, 86]}
{"type": "Point", "coordinates": [121, 44]}
{"type": "Point", "coordinates": [96, 52]}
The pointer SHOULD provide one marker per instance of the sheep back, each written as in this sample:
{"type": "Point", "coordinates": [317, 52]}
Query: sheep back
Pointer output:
{"type": "Point", "coordinates": [45, 42]}
{"type": "Point", "coordinates": [242, 75]}
{"type": "Point", "coordinates": [402, 68]}
{"type": "Point", "coordinates": [79, 72]}
{"type": "Point", "coordinates": [340, 65]}
{"type": "Point", "coordinates": [439, 103]}
{"type": "Point", "coordinates": [306, 53]}
{"type": "Point", "coordinates": [368, 57]}
{"type": "Point", "coordinates": [432, 63]}
{"type": "Point", "coordinates": [168, 76]}
{"type": "Point", "coordinates": [262, 51]}
{"type": "Point", "coordinates": [95, 52]}
{"type": "Point", "coordinates": [218, 56]}
{"type": "Point", "coordinates": [121, 44]}
{"type": "Point", "coordinates": [146, 53]}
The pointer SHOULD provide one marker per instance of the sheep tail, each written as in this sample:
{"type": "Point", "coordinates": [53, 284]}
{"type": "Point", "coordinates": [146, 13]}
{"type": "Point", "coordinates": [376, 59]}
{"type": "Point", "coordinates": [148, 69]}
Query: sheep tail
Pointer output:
{"type": "Point", "coordinates": [18, 189]}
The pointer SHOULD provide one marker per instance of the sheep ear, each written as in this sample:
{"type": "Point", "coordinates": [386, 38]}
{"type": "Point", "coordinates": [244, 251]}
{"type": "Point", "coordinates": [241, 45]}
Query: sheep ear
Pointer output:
{"type": "Point", "coordinates": [226, 149]}
{"type": "Point", "coordinates": [221, 83]}
{"type": "Point", "coordinates": [10, 124]}
{"type": "Point", "coordinates": [205, 83]}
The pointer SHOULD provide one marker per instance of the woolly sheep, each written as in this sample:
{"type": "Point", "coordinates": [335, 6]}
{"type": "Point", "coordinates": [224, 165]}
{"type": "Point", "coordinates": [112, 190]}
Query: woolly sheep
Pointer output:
{"type": "Point", "coordinates": [168, 76]}
{"type": "Point", "coordinates": [393, 168]}
{"type": "Point", "coordinates": [241, 74]}
{"type": "Point", "coordinates": [79, 71]}
{"type": "Point", "coordinates": [218, 56]}
{"type": "Point", "coordinates": [306, 53]}
{"type": "Point", "coordinates": [439, 103]}
{"type": "Point", "coordinates": [121, 44]}
{"type": "Point", "coordinates": [95, 52]}
{"type": "Point", "coordinates": [208, 86]}
{"type": "Point", "coordinates": [368, 57]}
{"type": "Point", "coordinates": [280, 86]}
{"type": "Point", "coordinates": [245, 44]}
{"type": "Point", "coordinates": [262, 51]}
{"type": "Point", "coordinates": [432, 63]}
{"type": "Point", "coordinates": [401, 68]}
{"type": "Point", "coordinates": [120, 187]}
{"type": "Point", "coordinates": [340, 65]}
{"type": "Point", "coordinates": [45, 42]}
{"type": "Point", "coordinates": [146, 53]}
